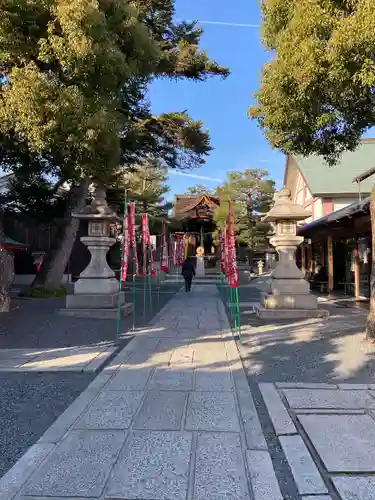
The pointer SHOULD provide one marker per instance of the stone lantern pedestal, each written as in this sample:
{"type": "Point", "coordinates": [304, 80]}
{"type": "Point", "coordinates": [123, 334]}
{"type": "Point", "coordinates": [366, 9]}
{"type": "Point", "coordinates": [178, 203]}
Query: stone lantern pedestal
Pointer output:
{"type": "Point", "coordinates": [97, 291]}
{"type": "Point", "coordinates": [289, 294]}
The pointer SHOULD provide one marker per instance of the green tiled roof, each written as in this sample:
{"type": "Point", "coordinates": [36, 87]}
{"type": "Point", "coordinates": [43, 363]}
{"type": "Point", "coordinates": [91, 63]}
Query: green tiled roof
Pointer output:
{"type": "Point", "coordinates": [323, 179]}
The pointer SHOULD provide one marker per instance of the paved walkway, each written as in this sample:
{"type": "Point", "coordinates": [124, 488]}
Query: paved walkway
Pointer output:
{"type": "Point", "coordinates": [171, 418]}
{"type": "Point", "coordinates": [73, 359]}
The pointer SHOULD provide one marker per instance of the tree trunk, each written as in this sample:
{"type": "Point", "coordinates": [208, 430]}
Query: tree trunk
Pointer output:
{"type": "Point", "coordinates": [52, 271]}
{"type": "Point", "coordinates": [6, 271]}
{"type": "Point", "coordinates": [370, 325]}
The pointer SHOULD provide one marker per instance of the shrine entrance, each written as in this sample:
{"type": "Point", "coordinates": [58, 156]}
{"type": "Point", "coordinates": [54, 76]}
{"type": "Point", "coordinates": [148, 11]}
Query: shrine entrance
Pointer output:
{"type": "Point", "coordinates": [196, 216]}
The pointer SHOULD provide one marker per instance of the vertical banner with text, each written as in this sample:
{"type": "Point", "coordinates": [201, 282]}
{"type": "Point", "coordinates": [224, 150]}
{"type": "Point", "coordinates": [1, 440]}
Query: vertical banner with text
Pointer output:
{"type": "Point", "coordinates": [232, 274]}
{"type": "Point", "coordinates": [133, 241]}
{"type": "Point", "coordinates": [125, 248]}
{"type": "Point", "coordinates": [164, 264]}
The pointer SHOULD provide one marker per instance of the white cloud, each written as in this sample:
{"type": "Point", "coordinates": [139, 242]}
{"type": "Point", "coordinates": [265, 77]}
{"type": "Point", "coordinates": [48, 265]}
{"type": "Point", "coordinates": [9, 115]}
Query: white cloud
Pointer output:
{"type": "Point", "coordinates": [225, 23]}
{"type": "Point", "coordinates": [195, 176]}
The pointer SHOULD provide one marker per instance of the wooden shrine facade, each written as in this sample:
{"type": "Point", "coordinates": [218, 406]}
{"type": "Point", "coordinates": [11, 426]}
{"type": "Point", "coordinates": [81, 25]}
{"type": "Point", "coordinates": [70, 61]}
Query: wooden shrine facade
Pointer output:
{"type": "Point", "coordinates": [336, 252]}
{"type": "Point", "coordinates": [195, 214]}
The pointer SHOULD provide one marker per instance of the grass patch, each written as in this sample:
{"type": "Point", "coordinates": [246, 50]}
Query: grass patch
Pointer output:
{"type": "Point", "coordinates": [45, 293]}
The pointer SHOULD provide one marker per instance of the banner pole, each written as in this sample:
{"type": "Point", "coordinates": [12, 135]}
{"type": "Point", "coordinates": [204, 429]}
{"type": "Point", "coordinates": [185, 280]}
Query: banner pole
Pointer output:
{"type": "Point", "coordinates": [238, 316]}
{"type": "Point", "coordinates": [134, 300]}
{"type": "Point", "coordinates": [118, 322]}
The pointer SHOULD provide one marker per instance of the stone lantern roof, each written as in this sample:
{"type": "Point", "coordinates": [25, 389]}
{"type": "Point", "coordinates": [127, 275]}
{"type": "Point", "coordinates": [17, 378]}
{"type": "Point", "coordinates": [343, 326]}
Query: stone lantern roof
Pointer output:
{"type": "Point", "coordinates": [285, 209]}
{"type": "Point", "coordinates": [98, 208]}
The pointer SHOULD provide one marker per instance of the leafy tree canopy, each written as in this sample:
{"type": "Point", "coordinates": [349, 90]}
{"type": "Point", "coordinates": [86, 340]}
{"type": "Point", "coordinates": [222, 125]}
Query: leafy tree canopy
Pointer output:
{"type": "Point", "coordinates": [317, 94]}
{"type": "Point", "coordinates": [250, 193]}
{"type": "Point", "coordinates": [200, 189]}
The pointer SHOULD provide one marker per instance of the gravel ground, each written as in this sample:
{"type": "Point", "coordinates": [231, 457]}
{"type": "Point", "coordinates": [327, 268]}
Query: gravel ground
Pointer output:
{"type": "Point", "coordinates": [31, 402]}
{"type": "Point", "coordinates": [336, 355]}
{"type": "Point", "coordinates": [36, 324]}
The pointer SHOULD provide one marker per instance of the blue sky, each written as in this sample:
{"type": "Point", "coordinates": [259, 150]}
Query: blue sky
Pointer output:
{"type": "Point", "coordinates": [221, 104]}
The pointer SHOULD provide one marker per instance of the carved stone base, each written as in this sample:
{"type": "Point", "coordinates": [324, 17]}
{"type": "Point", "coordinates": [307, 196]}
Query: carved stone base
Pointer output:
{"type": "Point", "coordinates": [281, 314]}
{"type": "Point", "coordinates": [288, 301]}
{"type": "Point", "coordinates": [110, 313]}
{"type": "Point", "coordinates": [94, 300]}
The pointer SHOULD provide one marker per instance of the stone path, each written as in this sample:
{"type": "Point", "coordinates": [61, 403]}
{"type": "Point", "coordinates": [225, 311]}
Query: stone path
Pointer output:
{"type": "Point", "coordinates": [74, 359]}
{"type": "Point", "coordinates": [170, 418]}
{"type": "Point", "coordinates": [327, 434]}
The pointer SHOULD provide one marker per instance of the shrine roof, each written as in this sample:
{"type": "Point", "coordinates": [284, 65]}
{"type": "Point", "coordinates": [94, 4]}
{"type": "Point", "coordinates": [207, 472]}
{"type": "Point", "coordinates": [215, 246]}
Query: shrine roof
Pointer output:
{"type": "Point", "coordinates": [185, 203]}
{"type": "Point", "coordinates": [336, 180]}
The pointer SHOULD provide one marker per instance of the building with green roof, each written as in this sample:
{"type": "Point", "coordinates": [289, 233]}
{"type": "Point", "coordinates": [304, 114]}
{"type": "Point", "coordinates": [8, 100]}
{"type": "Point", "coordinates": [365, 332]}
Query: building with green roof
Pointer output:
{"type": "Point", "coordinates": [322, 189]}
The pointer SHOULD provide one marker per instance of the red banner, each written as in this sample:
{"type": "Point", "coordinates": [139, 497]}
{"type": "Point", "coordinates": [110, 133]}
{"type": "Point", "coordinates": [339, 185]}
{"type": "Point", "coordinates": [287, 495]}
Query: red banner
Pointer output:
{"type": "Point", "coordinates": [222, 250]}
{"type": "Point", "coordinates": [125, 248]}
{"type": "Point", "coordinates": [164, 250]}
{"type": "Point", "coordinates": [180, 250]}
{"type": "Point", "coordinates": [151, 250]}
{"type": "Point", "coordinates": [132, 237]}
{"type": "Point", "coordinates": [144, 244]}
{"type": "Point", "coordinates": [232, 274]}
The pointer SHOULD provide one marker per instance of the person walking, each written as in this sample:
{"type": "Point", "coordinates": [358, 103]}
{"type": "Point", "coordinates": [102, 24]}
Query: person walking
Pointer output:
{"type": "Point", "coordinates": [188, 272]}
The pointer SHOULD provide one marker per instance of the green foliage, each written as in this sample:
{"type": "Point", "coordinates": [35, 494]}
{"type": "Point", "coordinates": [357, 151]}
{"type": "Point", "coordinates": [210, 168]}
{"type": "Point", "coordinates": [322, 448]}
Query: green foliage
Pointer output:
{"type": "Point", "coordinates": [44, 293]}
{"type": "Point", "coordinates": [64, 65]}
{"type": "Point", "coordinates": [146, 186]}
{"type": "Point", "coordinates": [250, 193]}
{"type": "Point", "coordinates": [199, 189]}
{"type": "Point", "coordinates": [317, 93]}
{"type": "Point", "coordinates": [74, 81]}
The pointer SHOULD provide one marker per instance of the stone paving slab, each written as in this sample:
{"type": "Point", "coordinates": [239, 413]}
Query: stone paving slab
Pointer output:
{"type": "Point", "coordinates": [220, 470]}
{"type": "Point", "coordinates": [335, 435]}
{"type": "Point", "coordinates": [355, 488]}
{"type": "Point", "coordinates": [79, 466]}
{"type": "Point", "coordinates": [345, 443]}
{"type": "Point", "coordinates": [304, 470]}
{"type": "Point", "coordinates": [263, 478]}
{"type": "Point", "coordinates": [111, 410]}
{"type": "Point", "coordinates": [171, 417]}
{"type": "Point", "coordinates": [212, 411]}
{"type": "Point", "coordinates": [161, 410]}
{"type": "Point", "coordinates": [154, 465]}
{"type": "Point", "coordinates": [334, 399]}
{"type": "Point", "coordinates": [81, 359]}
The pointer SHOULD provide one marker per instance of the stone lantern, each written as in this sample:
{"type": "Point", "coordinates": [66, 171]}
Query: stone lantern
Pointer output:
{"type": "Point", "coordinates": [289, 293]}
{"type": "Point", "coordinates": [97, 291]}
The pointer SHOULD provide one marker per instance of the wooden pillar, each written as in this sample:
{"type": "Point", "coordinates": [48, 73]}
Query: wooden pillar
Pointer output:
{"type": "Point", "coordinates": [309, 258]}
{"type": "Point", "coordinates": [303, 258]}
{"type": "Point", "coordinates": [330, 263]}
{"type": "Point", "coordinates": [356, 274]}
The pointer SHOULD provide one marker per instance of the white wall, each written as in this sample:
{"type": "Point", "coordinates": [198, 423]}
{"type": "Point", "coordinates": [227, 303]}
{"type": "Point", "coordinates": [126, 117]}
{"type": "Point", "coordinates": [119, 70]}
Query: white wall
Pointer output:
{"type": "Point", "coordinates": [339, 203]}
{"type": "Point", "coordinates": [318, 208]}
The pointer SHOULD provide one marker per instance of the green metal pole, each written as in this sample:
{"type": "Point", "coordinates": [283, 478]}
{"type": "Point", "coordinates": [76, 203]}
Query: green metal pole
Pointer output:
{"type": "Point", "coordinates": [118, 323]}
{"type": "Point", "coordinates": [134, 301]}
{"type": "Point", "coordinates": [238, 314]}
{"type": "Point", "coordinates": [144, 295]}
{"type": "Point", "coordinates": [150, 289]}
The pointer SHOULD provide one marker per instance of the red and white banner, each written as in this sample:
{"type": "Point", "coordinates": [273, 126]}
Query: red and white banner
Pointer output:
{"type": "Point", "coordinates": [180, 250]}
{"type": "Point", "coordinates": [125, 248]}
{"type": "Point", "coordinates": [232, 275]}
{"type": "Point", "coordinates": [151, 250]}
{"type": "Point", "coordinates": [132, 237]}
{"type": "Point", "coordinates": [164, 250]}
{"type": "Point", "coordinates": [144, 245]}
{"type": "Point", "coordinates": [222, 250]}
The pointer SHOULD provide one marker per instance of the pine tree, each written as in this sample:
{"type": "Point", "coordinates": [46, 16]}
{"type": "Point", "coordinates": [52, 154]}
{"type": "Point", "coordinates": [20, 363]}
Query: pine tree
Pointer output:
{"type": "Point", "coordinates": [317, 93]}
{"type": "Point", "coordinates": [74, 75]}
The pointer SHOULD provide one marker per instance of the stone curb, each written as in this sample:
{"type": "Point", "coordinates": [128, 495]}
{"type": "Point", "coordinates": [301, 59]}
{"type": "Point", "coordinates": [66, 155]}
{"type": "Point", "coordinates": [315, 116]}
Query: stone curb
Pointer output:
{"type": "Point", "coordinates": [280, 418]}
{"type": "Point", "coordinates": [254, 436]}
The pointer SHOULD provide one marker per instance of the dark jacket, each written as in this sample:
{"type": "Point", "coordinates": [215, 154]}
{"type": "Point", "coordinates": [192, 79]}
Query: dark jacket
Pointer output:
{"type": "Point", "coordinates": [188, 270]}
